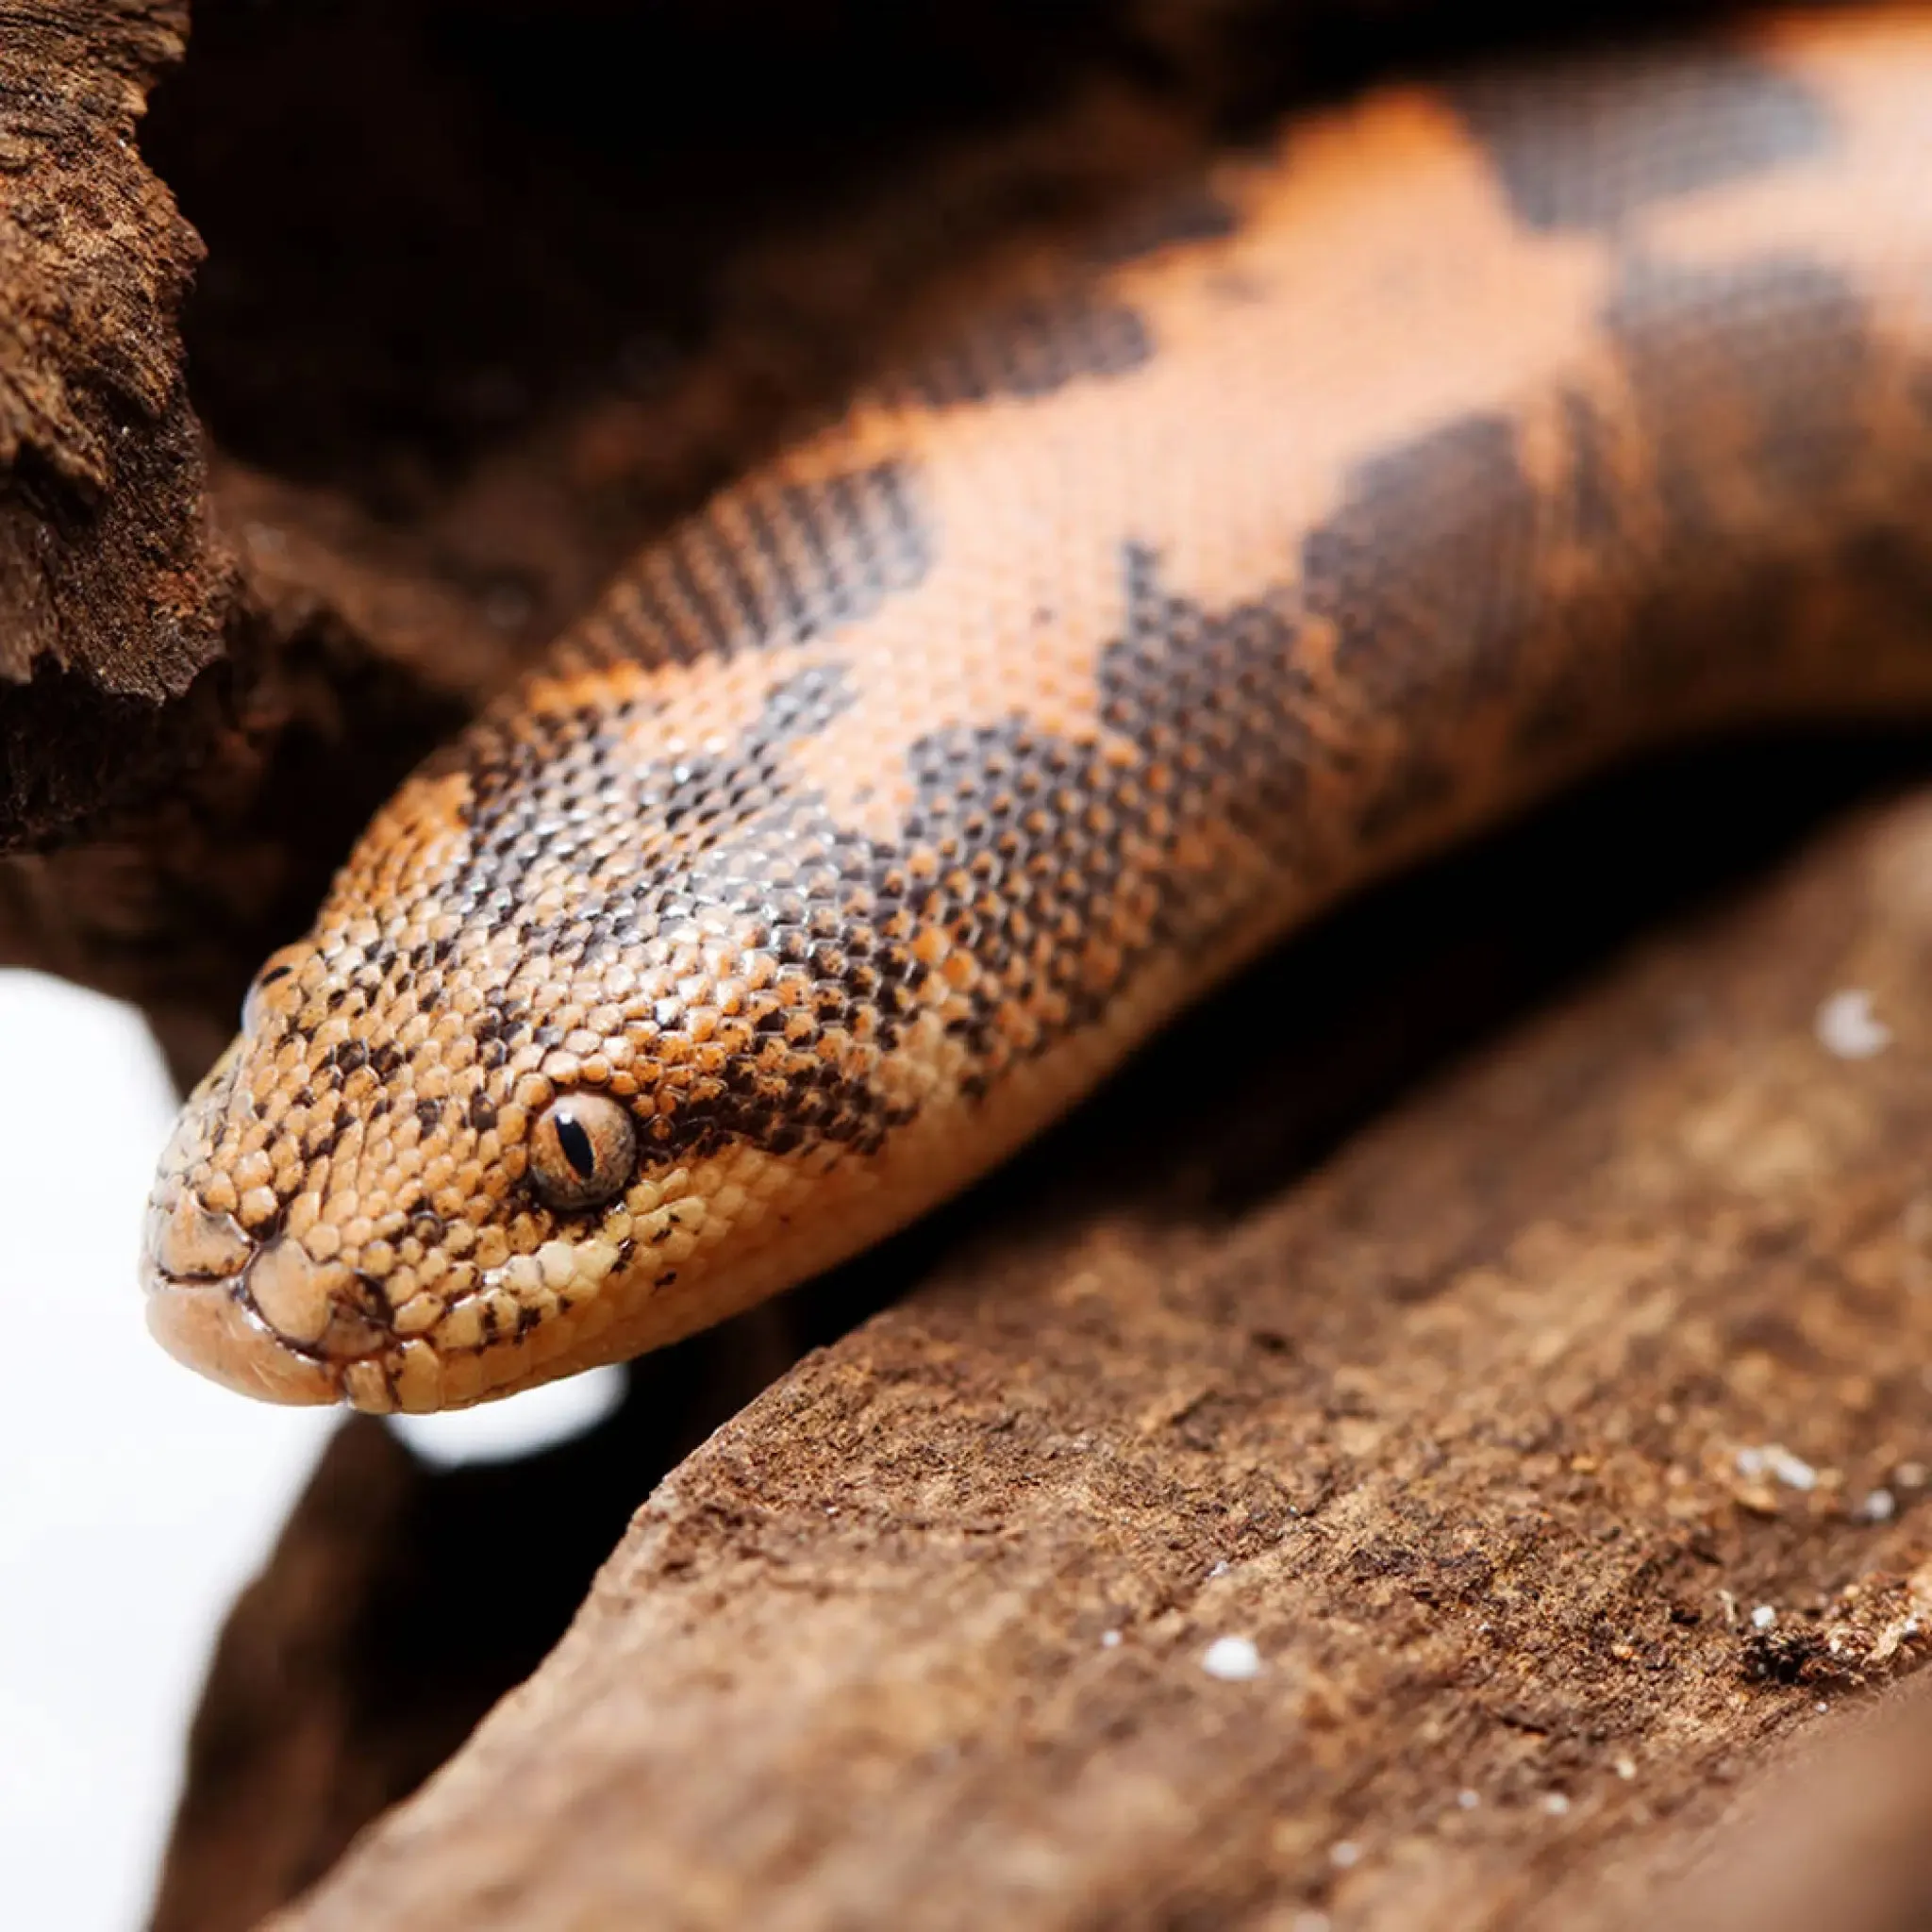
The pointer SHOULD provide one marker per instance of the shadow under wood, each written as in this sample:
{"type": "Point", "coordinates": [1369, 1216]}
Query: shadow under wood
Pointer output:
{"type": "Point", "coordinates": [403, 1602]}
{"type": "Point", "coordinates": [537, 204]}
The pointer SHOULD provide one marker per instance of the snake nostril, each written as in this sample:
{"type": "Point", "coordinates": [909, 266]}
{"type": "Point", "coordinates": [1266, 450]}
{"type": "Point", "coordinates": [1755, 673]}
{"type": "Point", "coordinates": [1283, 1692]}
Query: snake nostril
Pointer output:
{"type": "Point", "coordinates": [296, 1296]}
{"type": "Point", "coordinates": [187, 1243]}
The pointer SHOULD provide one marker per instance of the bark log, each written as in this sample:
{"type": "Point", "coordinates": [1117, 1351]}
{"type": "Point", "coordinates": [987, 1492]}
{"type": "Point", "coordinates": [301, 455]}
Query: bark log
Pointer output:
{"type": "Point", "coordinates": [111, 583]}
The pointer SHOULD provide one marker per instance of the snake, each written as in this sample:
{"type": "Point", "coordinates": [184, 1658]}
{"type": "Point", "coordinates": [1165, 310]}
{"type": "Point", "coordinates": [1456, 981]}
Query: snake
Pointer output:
{"type": "Point", "coordinates": [1385, 473]}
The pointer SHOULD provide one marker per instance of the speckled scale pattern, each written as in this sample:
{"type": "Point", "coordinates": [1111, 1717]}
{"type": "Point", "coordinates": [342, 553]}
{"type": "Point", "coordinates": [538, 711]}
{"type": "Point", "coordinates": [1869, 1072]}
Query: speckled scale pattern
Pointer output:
{"type": "Point", "coordinates": [1456, 443]}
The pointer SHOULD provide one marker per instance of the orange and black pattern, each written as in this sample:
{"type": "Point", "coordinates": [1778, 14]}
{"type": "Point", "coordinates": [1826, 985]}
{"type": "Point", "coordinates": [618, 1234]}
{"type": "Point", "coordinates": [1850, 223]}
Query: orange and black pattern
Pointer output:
{"type": "Point", "coordinates": [1462, 441]}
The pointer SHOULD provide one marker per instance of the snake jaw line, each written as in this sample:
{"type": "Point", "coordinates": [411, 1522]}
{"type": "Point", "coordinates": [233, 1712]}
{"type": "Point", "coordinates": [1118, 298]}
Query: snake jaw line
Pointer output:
{"type": "Point", "coordinates": [206, 1325]}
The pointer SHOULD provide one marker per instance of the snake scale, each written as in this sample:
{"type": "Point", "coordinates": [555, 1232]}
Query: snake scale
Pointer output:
{"type": "Point", "coordinates": [1414, 463]}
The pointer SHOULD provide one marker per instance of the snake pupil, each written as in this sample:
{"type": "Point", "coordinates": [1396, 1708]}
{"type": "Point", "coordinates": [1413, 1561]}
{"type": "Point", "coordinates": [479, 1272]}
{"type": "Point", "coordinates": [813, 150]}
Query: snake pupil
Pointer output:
{"type": "Point", "coordinates": [575, 1144]}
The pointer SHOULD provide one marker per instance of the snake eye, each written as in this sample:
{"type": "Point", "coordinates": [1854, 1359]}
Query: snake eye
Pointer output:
{"type": "Point", "coordinates": [582, 1150]}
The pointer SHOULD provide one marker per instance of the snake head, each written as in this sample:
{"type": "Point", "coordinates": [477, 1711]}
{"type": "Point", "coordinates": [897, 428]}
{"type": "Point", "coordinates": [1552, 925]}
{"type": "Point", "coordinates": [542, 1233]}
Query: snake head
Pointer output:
{"type": "Point", "coordinates": [414, 1185]}
{"type": "Point", "coordinates": [565, 1070]}
{"type": "Point", "coordinates": [413, 1225]}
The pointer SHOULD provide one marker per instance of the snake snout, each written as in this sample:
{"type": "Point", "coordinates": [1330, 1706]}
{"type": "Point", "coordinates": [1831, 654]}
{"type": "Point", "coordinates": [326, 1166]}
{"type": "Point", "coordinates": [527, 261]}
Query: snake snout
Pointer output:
{"type": "Point", "coordinates": [206, 1280]}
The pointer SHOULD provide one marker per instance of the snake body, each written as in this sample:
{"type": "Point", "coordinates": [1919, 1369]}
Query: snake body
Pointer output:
{"type": "Point", "coordinates": [1457, 442]}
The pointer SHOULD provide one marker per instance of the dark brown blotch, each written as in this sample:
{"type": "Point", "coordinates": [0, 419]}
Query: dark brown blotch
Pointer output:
{"type": "Point", "coordinates": [1779, 344]}
{"type": "Point", "coordinates": [1426, 568]}
{"type": "Point", "coordinates": [1592, 140]}
{"type": "Point", "coordinates": [767, 564]}
{"type": "Point", "coordinates": [1033, 348]}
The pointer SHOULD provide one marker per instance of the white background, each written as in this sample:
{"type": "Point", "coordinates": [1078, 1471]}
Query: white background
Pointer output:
{"type": "Point", "coordinates": [135, 1499]}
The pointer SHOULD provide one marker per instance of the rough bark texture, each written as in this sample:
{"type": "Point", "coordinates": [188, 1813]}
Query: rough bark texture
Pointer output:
{"type": "Point", "coordinates": [112, 585]}
{"type": "Point", "coordinates": [1489, 1432]}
